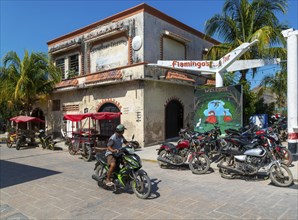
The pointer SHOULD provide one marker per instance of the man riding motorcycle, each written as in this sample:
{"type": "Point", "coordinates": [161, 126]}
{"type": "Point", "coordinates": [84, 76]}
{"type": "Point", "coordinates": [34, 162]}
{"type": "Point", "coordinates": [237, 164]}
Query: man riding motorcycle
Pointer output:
{"type": "Point", "coordinates": [114, 144]}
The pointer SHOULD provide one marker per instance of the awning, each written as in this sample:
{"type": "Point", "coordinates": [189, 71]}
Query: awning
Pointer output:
{"type": "Point", "coordinates": [23, 118]}
{"type": "Point", "coordinates": [106, 115]}
{"type": "Point", "coordinates": [96, 116]}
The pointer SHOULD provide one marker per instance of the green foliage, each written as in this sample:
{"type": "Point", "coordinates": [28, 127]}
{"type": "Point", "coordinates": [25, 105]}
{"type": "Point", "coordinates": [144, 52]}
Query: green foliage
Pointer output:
{"type": "Point", "coordinates": [244, 21]}
{"type": "Point", "coordinates": [264, 108]}
{"type": "Point", "coordinates": [249, 102]}
{"type": "Point", "coordinates": [23, 82]}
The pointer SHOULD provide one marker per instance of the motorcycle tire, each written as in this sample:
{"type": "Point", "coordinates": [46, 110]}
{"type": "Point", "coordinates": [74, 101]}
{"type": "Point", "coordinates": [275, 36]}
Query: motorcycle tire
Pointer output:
{"type": "Point", "coordinates": [18, 144]}
{"type": "Point", "coordinates": [87, 155]}
{"type": "Point", "coordinates": [224, 173]}
{"type": "Point", "coordinates": [199, 163]}
{"type": "Point", "coordinates": [43, 144]}
{"type": "Point", "coordinates": [163, 154]}
{"type": "Point", "coordinates": [51, 146]}
{"type": "Point", "coordinates": [281, 176]}
{"type": "Point", "coordinates": [71, 149]}
{"type": "Point", "coordinates": [9, 143]}
{"type": "Point", "coordinates": [141, 185]}
{"type": "Point", "coordinates": [285, 156]}
{"type": "Point", "coordinates": [102, 173]}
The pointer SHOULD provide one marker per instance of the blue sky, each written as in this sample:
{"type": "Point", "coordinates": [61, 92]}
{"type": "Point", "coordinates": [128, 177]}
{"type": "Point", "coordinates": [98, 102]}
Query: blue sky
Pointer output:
{"type": "Point", "coordinates": [31, 24]}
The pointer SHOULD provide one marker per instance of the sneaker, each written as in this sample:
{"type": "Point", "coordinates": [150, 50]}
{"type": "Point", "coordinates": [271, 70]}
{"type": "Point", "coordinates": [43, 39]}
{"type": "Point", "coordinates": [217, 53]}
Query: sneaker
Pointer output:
{"type": "Point", "coordinates": [109, 183]}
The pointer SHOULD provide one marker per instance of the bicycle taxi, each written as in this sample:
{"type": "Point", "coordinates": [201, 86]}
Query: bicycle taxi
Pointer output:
{"type": "Point", "coordinates": [24, 135]}
{"type": "Point", "coordinates": [86, 137]}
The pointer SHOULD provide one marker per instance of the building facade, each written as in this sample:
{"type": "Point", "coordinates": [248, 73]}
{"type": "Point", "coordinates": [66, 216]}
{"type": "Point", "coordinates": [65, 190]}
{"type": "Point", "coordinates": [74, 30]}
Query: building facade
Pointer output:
{"type": "Point", "coordinates": [105, 68]}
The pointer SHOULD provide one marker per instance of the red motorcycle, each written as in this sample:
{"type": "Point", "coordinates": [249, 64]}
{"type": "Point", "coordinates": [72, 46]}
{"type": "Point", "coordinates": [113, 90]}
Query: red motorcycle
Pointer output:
{"type": "Point", "coordinates": [187, 151]}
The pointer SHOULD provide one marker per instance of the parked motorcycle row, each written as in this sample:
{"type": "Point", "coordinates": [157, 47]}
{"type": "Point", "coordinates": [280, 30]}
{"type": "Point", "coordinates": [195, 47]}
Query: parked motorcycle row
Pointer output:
{"type": "Point", "coordinates": [240, 153]}
{"type": "Point", "coordinates": [27, 138]}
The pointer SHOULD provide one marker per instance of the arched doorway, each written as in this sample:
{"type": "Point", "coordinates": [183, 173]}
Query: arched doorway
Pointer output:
{"type": "Point", "coordinates": [107, 127]}
{"type": "Point", "coordinates": [174, 118]}
{"type": "Point", "coordinates": [38, 113]}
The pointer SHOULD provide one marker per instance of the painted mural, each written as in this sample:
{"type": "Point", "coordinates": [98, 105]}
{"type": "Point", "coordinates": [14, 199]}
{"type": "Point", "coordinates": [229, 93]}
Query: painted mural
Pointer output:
{"type": "Point", "coordinates": [218, 106]}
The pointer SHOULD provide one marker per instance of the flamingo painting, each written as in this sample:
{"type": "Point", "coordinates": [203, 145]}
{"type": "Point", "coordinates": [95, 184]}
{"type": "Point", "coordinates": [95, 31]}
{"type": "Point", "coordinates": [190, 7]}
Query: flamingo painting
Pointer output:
{"type": "Point", "coordinates": [227, 118]}
{"type": "Point", "coordinates": [211, 117]}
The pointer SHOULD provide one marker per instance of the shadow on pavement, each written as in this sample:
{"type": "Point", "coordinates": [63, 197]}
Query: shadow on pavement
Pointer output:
{"type": "Point", "coordinates": [14, 173]}
{"type": "Point", "coordinates": [154, 189]}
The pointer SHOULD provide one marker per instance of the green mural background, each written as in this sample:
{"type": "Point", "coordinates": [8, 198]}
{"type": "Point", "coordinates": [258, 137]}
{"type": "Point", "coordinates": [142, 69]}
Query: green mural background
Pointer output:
{"type": "Point", "coordinates": [218, 106]}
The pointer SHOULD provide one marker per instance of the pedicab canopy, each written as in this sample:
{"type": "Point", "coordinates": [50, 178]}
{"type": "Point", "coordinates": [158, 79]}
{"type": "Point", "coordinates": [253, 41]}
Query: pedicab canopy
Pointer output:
{"type": "Point", "coordinates": [96, 116]}
{"type": "Point", "coordinates": [23, 118]}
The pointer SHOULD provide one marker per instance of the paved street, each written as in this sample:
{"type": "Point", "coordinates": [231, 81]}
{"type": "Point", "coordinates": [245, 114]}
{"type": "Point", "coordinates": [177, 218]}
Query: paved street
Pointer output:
{"type": "Point", "coordinates": [44, 184]}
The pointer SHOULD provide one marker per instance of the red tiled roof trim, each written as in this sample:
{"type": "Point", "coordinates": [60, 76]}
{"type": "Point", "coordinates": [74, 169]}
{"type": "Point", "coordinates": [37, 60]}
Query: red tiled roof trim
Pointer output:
{"type": "Point", "coordinates": [179, 76]}
{"type": "Point", "coordinates": [66, 83]}
{"type": "Point", "coordinates": [110, 75]}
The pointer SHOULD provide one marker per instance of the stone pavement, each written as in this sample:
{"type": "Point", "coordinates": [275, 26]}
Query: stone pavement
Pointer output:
{"type": "Point", "coordinates": [44, 184]}
{"type": "Point", "coordinates": [149, 153]}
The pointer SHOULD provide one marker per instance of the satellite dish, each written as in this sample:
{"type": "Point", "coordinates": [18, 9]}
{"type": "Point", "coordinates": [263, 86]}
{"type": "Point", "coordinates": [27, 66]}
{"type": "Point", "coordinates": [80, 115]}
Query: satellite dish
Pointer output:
{"type": "Point", "coordinates": [136, 43]}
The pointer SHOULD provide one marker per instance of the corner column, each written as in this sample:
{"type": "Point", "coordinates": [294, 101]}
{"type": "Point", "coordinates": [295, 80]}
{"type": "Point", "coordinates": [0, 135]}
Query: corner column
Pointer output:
{"type": "Point", "coordinates": [292, 68]}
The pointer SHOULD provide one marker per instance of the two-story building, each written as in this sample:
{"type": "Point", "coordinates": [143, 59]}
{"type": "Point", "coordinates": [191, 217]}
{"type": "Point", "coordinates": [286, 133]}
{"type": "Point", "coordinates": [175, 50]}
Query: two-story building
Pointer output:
{"type": "Point", "coordinates": [105, 68]}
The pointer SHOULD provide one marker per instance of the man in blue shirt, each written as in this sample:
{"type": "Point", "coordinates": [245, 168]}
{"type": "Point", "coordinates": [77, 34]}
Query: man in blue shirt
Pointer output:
{"type": "Point", "coordinates": [114, 144]}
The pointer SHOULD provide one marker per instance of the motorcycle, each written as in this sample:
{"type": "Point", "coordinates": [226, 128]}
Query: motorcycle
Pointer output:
{"type": "Point", "coordinates": [128, 172]}
{"type": "Point", "coordinates": [11, 139]}
{"type": "Point", "coordinates": [46, 140]}
{"type": "Point", "coordinates": [280, 151]}
{"type": "Point", "coordinates": [244, 141]}
{"type": "Point", "coordinates": [254, 160]}
{"type": "Point", "coordinates": [25, 138]}
{"type": "Point", "coordinates": [186, 151]}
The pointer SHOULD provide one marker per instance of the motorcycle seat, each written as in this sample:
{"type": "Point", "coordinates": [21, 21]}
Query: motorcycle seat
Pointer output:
{"type": "Point", "coordinates": [101, 157]}
{"type": "Point", "coordinates": [169, 145]}
{"type": "Point", "coordinates": [250, 145]}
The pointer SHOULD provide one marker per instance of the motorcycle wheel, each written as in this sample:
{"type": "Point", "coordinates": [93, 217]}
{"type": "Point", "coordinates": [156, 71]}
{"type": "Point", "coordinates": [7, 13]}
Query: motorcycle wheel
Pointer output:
{"type": "Point", "coordinates": [18, 144]}
{"type": "Point", "coordinates": [9, 143]}
{"type": "Point", "coordinates": [163, 154]}
{"type": "Point", "coordinates": [281, 175]}
{"type": "Point", "coordinates": [224, 173]}
{"type": "Point", "coordinates": [199, 163]}
{"type": "Point", "coordinates": [102, 173]}
{"type": "Point", "coordinates": [87, 155]}
{"type": "Point", "coordinates": [285, 155]}
{"type": "Point", "coordinates": [72, 149]}
{"type": "Point", "coordinates": [51, 146]}
{"type": "Point", "coordinates": [43, 144]}
{"type": "Point", "coordinates": [141, 186]}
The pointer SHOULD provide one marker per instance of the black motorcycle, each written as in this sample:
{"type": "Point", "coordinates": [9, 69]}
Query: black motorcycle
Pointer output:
{"type": "Point", "coordinates": [128, 173]}
{"type": "Point", "coordinates": [260, 158]}
{"type": "Point", "coordinates": [25, 138]}
{"type": "Point", "coordinates": [46, 140]}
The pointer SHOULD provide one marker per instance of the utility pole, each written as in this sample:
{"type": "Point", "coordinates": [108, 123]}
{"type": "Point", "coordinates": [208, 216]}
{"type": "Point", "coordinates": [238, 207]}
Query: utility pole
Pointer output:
{"type": "Point", "coordinates": [292, 93]}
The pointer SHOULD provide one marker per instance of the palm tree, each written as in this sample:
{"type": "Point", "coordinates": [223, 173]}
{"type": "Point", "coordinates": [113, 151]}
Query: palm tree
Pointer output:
{"type": "Point", "coordinates": [26, 81]}
{"type": "Point", "coordinates": [277, 85]}
{"type": "Point", "coordinates": [244, 21]}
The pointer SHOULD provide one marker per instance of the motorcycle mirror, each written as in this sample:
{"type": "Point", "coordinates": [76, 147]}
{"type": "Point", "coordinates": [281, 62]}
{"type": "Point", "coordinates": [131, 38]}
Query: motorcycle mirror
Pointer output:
{"type": "Point", "coordinates": [133, 136]}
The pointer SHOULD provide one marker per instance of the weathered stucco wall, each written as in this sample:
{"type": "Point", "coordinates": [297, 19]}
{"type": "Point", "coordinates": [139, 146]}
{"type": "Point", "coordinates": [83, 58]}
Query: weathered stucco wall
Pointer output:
{"type": "Point", "coordinates": [155, 27]}
{"type": "Point", "coordinates": [127, 96]}
{"type": "Point", "coordinates": [157, 95]}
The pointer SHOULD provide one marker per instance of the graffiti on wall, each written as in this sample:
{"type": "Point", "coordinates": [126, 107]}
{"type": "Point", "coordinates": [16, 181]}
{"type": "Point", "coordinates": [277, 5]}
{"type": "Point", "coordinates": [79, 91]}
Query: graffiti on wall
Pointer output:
{"type": "Point", "coordinates": [218, 106]}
